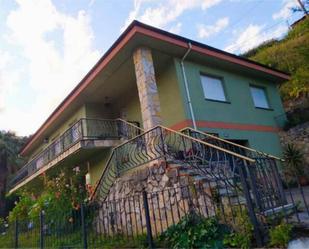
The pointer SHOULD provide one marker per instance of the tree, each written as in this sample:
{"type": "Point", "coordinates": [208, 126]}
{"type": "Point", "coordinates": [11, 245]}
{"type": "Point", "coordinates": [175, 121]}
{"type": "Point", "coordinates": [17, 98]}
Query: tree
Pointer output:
{"type": "Point", "coordinates": [10, 162]}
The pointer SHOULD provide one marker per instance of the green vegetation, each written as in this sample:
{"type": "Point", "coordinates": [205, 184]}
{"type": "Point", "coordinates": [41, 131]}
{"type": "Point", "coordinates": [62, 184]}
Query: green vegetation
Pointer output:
{"type": "Point", "coordinates": [291, 54]}
{"type": "Point", "coordinates": [194, 231]}
{"type": "Point", "coordinates": [294, 167]}
{"type": "Point", "coordinates": [280, 235]}
{"type": "Point", "coordinates": [10, 162]}
{"type": "Point", "coordinates": [56, 196]}
{"type": "Point", "coordinates": [73, 240]}
{"type": "Point", "coordinates": [242, 229]}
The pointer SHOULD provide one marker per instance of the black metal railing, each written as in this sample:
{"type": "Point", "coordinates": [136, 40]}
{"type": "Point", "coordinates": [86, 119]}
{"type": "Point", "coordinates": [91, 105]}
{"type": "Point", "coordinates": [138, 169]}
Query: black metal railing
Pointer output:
{"type": "Point", "coordinates": [134, 221]}
{"type": "Point", "coordinates": [224, 183]}
{"type": "Point", "coordinates": [226, 144]}
{"type": "Point", "coordinates": [258, 180]}
{"type": "Point", "coordinates": [161, 142]}
{"type": "Point", "coordinates": [83, 129]}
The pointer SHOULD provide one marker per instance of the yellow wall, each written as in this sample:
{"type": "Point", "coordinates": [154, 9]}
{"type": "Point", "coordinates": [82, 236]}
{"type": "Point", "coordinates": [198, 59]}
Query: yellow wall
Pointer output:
{"type": "Point", "coordinates": [97, 164]}
{"type": "Point", "coordinates": [129, 106]}
{"type": "Point", "coordinates": [100, 111]}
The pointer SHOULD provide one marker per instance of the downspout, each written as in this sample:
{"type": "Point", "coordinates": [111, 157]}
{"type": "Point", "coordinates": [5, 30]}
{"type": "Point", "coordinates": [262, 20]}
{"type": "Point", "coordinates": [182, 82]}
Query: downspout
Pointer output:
{"type": "Point", "coordinates": [186, 85]}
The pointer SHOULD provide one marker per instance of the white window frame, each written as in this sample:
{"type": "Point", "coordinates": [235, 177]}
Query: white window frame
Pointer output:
{"type": "Point", "coordinates": [267, 106]}
{"type": "Point", "coordinates": [204, 87]}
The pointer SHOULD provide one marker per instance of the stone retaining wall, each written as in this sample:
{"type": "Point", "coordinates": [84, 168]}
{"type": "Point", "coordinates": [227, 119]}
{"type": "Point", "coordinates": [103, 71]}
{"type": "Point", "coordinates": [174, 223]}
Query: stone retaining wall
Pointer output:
{"type": "Point", "coordinates": [298, 135]}
{"type": "Point", "coordinates": [170, 197]}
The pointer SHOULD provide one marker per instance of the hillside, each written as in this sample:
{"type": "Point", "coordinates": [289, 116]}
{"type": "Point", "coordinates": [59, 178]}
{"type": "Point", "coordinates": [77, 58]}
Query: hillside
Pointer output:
{"type": "Point", "coordinates": [290, 54]}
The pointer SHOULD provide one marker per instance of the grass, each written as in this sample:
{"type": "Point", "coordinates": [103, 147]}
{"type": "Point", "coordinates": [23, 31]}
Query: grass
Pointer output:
{"type": "Point", "coordinates": [73, 240]}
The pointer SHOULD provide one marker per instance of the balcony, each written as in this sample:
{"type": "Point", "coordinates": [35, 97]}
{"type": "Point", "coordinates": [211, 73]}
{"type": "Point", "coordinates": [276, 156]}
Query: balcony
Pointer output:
{"type": "Point", "coordinates": [85, 133]}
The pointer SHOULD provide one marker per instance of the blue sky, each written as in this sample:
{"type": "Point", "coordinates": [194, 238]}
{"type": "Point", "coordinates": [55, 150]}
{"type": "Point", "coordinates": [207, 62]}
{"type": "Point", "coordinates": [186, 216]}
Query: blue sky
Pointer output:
{"type": "Point", "coordinates": [47, 46]}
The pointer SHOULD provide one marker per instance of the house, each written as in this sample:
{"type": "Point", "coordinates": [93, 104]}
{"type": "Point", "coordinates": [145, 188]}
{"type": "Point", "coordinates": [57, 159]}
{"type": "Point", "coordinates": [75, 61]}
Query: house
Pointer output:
{"type": "Point", "coordinates": [151, 77]}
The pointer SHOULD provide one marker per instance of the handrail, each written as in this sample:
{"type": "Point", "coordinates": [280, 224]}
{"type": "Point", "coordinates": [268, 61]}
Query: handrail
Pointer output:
{"type": "Point", "coordinates": [131, 124]}
{"type": "Point", "coordinates": [162, 129]}
{"type": "Point", "coordinates": [211, 145]}
{"type": "Point", "coordinates": [229, 142]}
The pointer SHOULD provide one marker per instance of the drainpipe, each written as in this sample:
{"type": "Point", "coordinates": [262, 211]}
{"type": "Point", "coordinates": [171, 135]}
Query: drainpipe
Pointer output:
{"type": "Point", "coordinates": [186, 85]}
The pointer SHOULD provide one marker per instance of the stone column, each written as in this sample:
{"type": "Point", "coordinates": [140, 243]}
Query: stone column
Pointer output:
{"type": "Point", "coordinates": [147, 87]}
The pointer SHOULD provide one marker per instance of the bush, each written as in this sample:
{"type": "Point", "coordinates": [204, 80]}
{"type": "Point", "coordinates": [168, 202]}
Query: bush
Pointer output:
{"type": "Point", "coordinates": [242, 234]}
{"type": "Point", "coordinates": [294, 162]}
{"type": "Point", "coordinates": [194, 231]}
{"type": "Point", "coordinates": [59, 196]}
{"type": "Point", "coordinates": [280, 235]}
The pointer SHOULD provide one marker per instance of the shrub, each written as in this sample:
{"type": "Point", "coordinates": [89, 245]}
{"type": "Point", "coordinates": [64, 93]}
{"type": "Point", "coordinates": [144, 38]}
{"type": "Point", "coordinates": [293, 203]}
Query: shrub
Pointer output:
{"type": "Point", "coordinates": [294, 163]}
{"type": "Point", "coordinates": [280, 235]}
{"type": "Point", "coordinates": [194, 231]}
{"type": "Point", "coordinates": [59, 196]}
{"type": "Point", "coordinates": [242, 234]}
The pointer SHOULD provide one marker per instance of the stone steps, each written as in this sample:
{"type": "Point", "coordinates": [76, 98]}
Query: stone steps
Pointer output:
{"type": "Point", "coordinates": [224, 186]}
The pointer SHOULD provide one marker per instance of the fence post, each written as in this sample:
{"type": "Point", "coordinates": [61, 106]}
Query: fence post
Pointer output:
{"type": "Point", "coordinates": [250, 206]}
{"type": "Point", "coordinates": [148, 223]}
{"type": "Point", "coordinates": [84, 232]}
{"type": "Point", "coordinates": [16, 233]}
{"type": "Point", "coordinates": [41, 229]}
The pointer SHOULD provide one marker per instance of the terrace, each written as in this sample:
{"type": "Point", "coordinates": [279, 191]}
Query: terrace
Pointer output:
{"type": "Point", "coordinates": [81, 138]}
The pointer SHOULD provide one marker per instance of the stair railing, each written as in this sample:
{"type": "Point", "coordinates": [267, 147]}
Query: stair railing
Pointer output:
{"type": "Point", "coordinates": [265, 171]}
{"type": "Point", "coordinates": [250, 152]}
{"type": "Point", "coordinates": [164, 143]}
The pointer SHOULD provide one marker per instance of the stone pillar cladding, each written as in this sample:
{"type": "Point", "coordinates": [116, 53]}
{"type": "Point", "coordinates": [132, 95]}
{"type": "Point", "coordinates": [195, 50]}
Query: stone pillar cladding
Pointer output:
{"type": "Point", "coordinates": [147, 87]}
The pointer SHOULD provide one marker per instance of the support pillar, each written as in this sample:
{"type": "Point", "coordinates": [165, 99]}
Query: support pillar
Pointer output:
{"type": "Point", "coordinates": [147, 88]}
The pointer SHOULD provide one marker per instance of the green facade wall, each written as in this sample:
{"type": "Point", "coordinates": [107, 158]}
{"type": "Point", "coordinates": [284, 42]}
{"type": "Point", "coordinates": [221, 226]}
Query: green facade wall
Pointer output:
{"type": "Point", "coordinates": [239, 109]}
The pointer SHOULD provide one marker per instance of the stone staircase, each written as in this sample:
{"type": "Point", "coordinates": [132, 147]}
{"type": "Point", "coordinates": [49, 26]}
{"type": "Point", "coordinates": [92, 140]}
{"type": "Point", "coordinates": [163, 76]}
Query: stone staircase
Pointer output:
{"type": "Point", "coordinates": [225, 189]}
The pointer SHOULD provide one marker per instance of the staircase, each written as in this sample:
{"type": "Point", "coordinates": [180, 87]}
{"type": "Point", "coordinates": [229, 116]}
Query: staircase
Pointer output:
{"type": "Point", "coordinates": [214, 163]}
{"type": "Point", "coordinates": [269, 187]}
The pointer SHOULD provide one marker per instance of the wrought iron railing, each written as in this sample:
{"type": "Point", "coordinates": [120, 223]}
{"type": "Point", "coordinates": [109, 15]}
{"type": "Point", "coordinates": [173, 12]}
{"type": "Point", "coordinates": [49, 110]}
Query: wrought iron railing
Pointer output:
{"type": "Point", "coordinates": [161, 142]}
{"type": "Point", "coordinates": [83, 129]}
{"type": "Point", "coordinates": [257, 182]}
{"type": "Point", "coordinates": [231, 146]}
{"type": "Point", "coordinates": [269, 188]}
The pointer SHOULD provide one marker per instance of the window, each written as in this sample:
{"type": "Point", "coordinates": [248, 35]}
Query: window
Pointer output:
{"type": "Point", "coordinates": [213, 88]}
{"type": "Point", "coordinates": [259, 97]}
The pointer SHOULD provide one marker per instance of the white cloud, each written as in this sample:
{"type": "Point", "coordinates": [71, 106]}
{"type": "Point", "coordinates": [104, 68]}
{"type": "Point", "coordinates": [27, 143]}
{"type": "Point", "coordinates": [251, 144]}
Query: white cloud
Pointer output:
{"type": "Point", "coordinates": [165, 12]}
{"type": "Point", "coordinates": [209, 30]}
{"type": "Point", "coordinates": [176, 28]}
{"type": "Point", "coordinates": [59, 52]}
{"type": "Point", "coordinates": [8, 78]}
{"type": "Point", "coordinates": [254, 35]}
{"type": "Point", "coordinates": [286, 10]}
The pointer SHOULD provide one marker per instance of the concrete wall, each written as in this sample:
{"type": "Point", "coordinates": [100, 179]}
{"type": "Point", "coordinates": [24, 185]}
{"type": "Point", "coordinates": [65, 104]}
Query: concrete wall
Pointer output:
{"type": "Point", "coordinates": [239, 108]}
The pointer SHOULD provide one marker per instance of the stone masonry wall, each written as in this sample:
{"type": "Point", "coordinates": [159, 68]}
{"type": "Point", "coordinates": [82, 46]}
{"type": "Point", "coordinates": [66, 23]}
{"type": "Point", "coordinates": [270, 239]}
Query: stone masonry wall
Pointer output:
{"type": "Point", "coordinates": [169, 195]}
